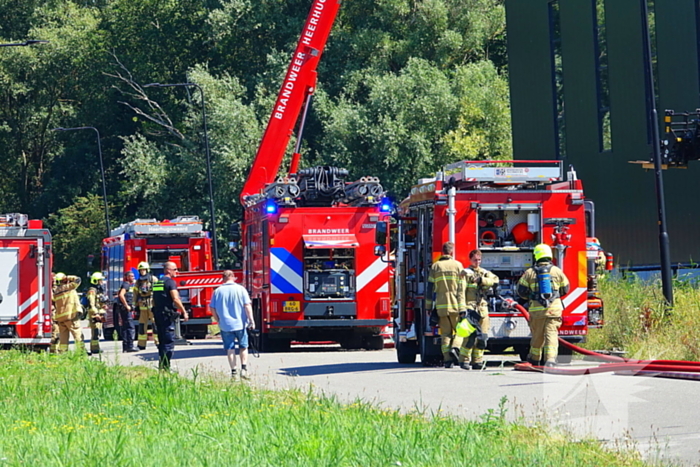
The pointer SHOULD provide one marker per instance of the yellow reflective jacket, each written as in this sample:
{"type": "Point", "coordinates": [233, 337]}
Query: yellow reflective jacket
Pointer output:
{"type": "Point", "coordinates": [477, 285]}
{"type": "Point", "coordinates": [528, 288]}
{"type": "Point", "coordinates": [445, 281]}
{"type": "Point", "coordinates": [66, 299]}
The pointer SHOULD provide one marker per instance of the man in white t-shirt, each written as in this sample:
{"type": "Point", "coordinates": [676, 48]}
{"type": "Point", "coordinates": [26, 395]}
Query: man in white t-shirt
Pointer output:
{"type": "Point", "coordinates": [230, 307]}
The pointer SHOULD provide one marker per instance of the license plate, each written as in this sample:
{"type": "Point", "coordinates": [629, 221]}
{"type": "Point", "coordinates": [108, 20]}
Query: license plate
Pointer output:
{"type": "Point", "coordinates": [291, 307]}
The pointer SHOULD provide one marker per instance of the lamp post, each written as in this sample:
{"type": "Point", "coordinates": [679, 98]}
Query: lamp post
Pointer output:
{"type": "Point", "coordinates": [208, 156]}
{"type": "Point", "coordinates": [664, 244]}
{"type": "Point", "coordinates": [25, 43]}
{"type": "Point", "coordinates": [102, 169]}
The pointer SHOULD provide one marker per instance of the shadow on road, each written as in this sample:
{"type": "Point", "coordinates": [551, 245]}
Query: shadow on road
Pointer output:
{"type": "Point", "coordinates": [353, 367]}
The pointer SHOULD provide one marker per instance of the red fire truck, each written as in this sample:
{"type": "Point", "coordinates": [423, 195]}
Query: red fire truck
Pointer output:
{"type": "Point", "coordinates": [308, 236]}
{"type": "Point", "coordinates": [25, 281]}
{"type": "Point", "coordinates": [503, 208]}
{"type": "Point", "coordinates": [182, 240]}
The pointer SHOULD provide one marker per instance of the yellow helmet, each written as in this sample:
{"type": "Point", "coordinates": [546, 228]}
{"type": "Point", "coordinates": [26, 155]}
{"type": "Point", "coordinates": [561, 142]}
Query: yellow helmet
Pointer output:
{"type": "Point", "coordinates": [58, 277]}
{"type": "Point", "coordinates": [542, 251]}
{"type": "Point", "coordinates": [96, 277]}
{"type": "Point", "coordinates": [143, 265]}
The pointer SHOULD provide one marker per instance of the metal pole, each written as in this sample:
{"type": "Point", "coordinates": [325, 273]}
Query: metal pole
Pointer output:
{"type": "Point", "coordinates": [215, 248]}
{"type": "Point", "coordinates": [212, 215]}
{"type": "Point", "coordinates": [664, 244]}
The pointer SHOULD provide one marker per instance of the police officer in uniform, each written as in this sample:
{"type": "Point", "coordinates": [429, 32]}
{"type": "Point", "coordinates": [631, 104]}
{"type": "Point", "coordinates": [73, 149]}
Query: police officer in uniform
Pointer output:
{"type": "Point", "coordinates": [96, 311]}
{"type": "Point", "coordinates": [167, 308]}
{"type": "Point", "coordinates": [543, 285]}
{"type": "Point", "coordinates": [123, 304]}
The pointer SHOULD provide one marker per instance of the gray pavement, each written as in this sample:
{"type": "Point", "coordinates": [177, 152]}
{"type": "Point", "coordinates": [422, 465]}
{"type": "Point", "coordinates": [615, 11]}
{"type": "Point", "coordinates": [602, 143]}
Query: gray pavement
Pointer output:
{"type": "Point", "coordinates": [659, 417]}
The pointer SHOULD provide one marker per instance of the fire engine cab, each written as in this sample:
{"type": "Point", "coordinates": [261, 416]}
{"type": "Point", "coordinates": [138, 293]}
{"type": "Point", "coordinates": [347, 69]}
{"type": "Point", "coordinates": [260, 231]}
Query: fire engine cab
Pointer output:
{"type": "Point", "coordinates": [182, 240]}
{"type": "Point", "coordinates": [504, 209]}
{"type": "Point", "coordinates": [25, 281]}
{"type": "Point", "coordinates": [308, 236]}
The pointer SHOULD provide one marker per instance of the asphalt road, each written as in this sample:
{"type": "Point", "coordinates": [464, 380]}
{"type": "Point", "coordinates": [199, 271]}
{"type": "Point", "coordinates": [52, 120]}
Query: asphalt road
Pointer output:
{"type": "Point", "coordinates": [659, 417]}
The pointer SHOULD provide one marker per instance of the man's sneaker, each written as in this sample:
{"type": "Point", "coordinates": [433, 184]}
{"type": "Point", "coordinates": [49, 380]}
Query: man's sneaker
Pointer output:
{"type": "Point", "coordinates": [465, 366]}
{"type": "Point", "coordinates": [244, 374]}
{"type": "Point", "coordinates": [478, 365]}
{"type": "Point", "coordinates": [131, 350]}
{"type": "Point", "coordinates": [449, 364]}
{"type": "Point", "coordinates": [454, 353]}
{"type": "Point", "coordinates": [234, 375]}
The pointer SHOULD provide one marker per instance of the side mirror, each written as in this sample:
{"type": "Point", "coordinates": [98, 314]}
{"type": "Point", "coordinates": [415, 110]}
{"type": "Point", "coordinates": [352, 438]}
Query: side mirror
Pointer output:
{"type": "Point", "coordinates": [379, 250]}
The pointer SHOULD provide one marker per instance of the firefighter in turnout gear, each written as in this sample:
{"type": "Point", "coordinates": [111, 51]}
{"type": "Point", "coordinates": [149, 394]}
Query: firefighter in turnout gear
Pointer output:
{"type": "Point", "coordinates": [477, 282]}
{"type": "Point", "coordinates": [544, 285]}
{"type": "Point", "coordinates": [67, 303]}
{"type": "Point", "coordinates": [97, 305]}
{"type": "Point", "coordinates": [143, 303]}
{"type": "Point", "coordinates": [446, 284]}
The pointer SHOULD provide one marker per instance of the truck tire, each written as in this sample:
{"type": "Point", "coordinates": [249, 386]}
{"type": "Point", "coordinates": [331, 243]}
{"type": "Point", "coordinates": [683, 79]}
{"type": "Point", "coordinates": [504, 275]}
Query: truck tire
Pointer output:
{"type": "Point", "coordinates": [196, 331]}
{"type": "Point", "coordinates": [373, 342]}
{"type": "Point", "coordinates": [523, 351]}
{"type": "Point", "coordinates": [274, 345]}
{"type": "Point", "coordinates": [406, 352]}
{"type": "Point", "coordinates": [351, 342]}
{"type": "Point", "coordinates": [429, 359]}
{"type": "Point", "coordinates": [565, 354]}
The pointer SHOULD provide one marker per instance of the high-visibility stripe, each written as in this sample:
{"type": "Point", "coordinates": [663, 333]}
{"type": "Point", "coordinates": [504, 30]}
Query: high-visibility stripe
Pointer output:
{"type": "Point", "coordinates": [366, 276]}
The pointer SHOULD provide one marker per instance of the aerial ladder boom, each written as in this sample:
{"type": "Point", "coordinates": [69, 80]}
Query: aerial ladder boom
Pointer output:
{"type": "Point", "coordinates": [298, 85]}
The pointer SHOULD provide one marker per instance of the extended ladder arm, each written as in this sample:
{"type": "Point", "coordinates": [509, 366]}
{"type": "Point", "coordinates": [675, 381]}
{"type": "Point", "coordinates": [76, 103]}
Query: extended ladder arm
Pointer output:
{"type": "Point", "coordinates": [299, 82]}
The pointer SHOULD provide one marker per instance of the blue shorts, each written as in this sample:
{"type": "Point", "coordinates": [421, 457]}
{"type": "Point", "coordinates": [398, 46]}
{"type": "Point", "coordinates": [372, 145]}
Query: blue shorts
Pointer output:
{"type": "Point", "coordinates": [231, 337]}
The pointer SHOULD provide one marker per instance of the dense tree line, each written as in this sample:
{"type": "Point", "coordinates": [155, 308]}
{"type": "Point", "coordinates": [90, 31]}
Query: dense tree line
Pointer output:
{"type": "Point", "coordinates": [405, 86]}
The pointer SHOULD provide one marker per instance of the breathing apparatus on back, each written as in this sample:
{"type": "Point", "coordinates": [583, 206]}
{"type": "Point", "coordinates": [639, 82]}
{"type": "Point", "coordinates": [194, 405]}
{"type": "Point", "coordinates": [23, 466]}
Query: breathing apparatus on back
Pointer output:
{"type": "Point", "coordinates": [144, 284]}
{"type": "Point", "coordinates": [545, 294]}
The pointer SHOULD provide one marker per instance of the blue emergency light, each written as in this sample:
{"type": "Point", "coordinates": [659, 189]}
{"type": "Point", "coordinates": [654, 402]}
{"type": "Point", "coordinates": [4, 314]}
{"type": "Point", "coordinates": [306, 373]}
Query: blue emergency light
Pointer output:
{"type": "Point", "coordinates": [386, 207]}
{"type": "Point", "coordinates": [271, 207]}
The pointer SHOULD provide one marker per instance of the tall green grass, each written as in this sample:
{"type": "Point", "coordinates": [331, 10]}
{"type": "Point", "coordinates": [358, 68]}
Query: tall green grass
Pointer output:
{"type": "Point", "coordinates": [71, 410]}
{"type": "Point", "coordinates": [638, 320]}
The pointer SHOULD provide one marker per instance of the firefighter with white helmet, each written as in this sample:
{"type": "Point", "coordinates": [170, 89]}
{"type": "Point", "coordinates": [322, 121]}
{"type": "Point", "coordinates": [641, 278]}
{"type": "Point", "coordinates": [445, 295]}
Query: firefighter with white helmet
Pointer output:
{"type": "Point", "coordinates": [143, 302]}
{"type": "Point", "coordinates": [97, 305]}
{"type": "Point", "coordinates": [544, 285]}
{"type": "Point", "coordinates": [66, 305]}
{"type": "Point", "coordinates": [477, 283]}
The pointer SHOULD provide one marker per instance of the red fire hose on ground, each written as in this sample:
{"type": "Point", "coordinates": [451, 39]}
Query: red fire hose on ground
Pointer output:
{"type": "Point", "coordinates": [657, 368]}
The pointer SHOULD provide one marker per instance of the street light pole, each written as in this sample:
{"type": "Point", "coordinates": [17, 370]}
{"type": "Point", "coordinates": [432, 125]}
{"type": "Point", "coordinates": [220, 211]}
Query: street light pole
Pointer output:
{"type": "Point", "coordinates": [664, 244]}
{"type": "Point", "coordinates": [212, 216]}
{"type": "Point", "coordinates": [102, 170]}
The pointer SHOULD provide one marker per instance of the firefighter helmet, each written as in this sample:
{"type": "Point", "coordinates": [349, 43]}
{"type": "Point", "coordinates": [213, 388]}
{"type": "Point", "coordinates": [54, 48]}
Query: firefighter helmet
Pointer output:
{"type": "Point", "coordinates": [96, 277]}
{"type": "Point", "coordinates": [58, 277]}
{"type": "Point", "coordinates": [143, 265]}
{"type": "Point", "coordinates": [542, 251]}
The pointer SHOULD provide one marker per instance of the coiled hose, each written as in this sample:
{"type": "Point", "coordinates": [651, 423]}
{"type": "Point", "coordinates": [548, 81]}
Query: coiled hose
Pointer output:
{"type": "Point", "coordinates": [678, 369]}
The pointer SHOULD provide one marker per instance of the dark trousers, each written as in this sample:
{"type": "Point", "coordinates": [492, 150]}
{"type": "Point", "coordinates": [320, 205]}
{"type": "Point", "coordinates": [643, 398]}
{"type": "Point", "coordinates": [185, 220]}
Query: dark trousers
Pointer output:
{"type": "Point", "coordinates": [165, 327]}
{"type": "Point", "coordinates": [127, 328]}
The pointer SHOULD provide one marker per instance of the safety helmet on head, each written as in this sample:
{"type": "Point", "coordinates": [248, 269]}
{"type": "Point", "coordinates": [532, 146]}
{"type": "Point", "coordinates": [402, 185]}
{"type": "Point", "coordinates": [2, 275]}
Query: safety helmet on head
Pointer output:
{"type": "Point", "coordinates": [144, 265]}
{"type": "Point", "coordinates": [58, 277]}
{"type": "Point", "coordinates": [542, 251]}
{"type": "Point", "coordinates": [96, 277]}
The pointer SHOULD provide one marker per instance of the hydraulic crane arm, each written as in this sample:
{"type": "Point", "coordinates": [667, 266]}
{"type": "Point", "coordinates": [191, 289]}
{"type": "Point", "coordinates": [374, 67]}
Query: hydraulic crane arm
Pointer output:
{"type": "Point", "coordinates": [298, 84]}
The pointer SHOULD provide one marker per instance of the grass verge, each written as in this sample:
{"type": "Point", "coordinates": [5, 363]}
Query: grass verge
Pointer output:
{"type": "Point", "coordinates": [71, 410]}
{"type": "Point", "coordinates": [638, 321]}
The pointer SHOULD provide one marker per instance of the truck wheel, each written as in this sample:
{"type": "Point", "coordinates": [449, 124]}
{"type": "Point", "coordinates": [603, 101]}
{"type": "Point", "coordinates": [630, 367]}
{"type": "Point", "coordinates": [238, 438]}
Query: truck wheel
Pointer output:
{"type": "Point", "coordinates": [196, 331]}
{"type": "Point", "coordinates": [374, 342]}
{"type": "Point", "coordinates": [429, 359]}
{"type": "Point", "coordinates": [406, 352]}
{"type": "Point", "coordinates": [523, 351]}
{"type": "Point", "coordinates": [274, 345]}
{"type": "Point", "coordinates": [108, 333]}
{"type": "Point", "coordinates": [565, 354]}
{"type": "Point", "coordinates": [351, 342]}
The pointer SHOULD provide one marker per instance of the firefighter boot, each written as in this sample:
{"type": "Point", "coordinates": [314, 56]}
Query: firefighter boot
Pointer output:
{"type": "Point", "coordinates": [95, 337]}
{"type": "Point", "coordinates": [142, 337]}
{"type": "Point", "coordinates": [478, 359]}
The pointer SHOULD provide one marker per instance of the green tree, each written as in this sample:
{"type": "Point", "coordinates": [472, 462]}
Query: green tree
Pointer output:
{"type": "Point", "coordinates": [77, 232]}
